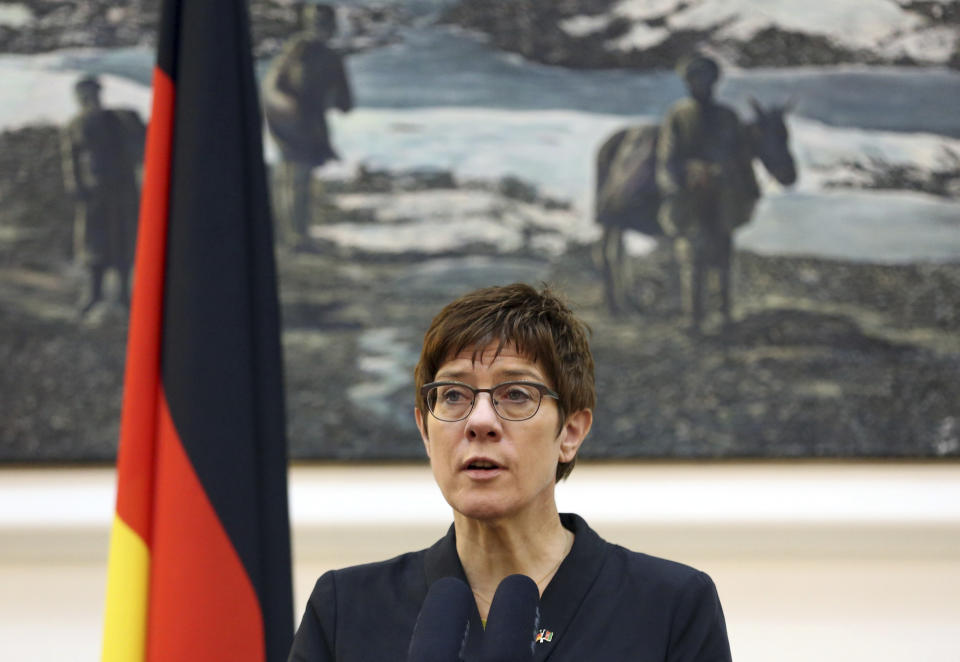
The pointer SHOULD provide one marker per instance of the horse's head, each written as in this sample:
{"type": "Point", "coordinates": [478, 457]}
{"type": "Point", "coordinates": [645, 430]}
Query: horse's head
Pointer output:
{"type": "Point", "coordinates": [771, 142]}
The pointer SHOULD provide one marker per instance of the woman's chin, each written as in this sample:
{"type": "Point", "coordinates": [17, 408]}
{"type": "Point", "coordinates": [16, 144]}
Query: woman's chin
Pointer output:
{"type": "Point", "coordinates": [482, 509]}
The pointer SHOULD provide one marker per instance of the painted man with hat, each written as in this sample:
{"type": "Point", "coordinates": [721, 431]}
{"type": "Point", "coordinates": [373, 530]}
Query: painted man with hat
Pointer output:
{"type": "Point", "coordinates": [708, 186]}
{"type": "Point", "coordinates": [302, 83]}
{"type": "Point", "coordinates": [102, 152]}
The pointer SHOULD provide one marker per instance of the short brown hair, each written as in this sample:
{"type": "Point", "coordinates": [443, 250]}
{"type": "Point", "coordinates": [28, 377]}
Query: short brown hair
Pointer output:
{"type": "Point", "coordinates": [539, 323]}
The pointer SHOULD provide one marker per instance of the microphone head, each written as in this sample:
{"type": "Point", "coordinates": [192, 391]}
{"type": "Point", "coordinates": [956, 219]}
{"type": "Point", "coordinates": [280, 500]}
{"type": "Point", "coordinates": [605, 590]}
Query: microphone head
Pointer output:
{"type": "Point", "coordinates": [512, 621]}
{"type": "Point", "coordinates": [443, 622]}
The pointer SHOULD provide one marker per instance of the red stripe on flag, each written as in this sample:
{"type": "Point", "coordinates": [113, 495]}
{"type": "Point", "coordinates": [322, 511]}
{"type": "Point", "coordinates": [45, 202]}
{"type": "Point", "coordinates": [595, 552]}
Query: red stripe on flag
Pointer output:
{"type": "Point", "coordinates": [141, 380]}
{"type": "Point", "coordinates": [202, 604]}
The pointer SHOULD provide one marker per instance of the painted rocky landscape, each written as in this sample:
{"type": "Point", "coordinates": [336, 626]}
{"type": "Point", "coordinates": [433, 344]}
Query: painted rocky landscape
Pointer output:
{"type": "Point", "coordinates": [825, 358]}
{"type": "Point", "coordinates": [655, 34]}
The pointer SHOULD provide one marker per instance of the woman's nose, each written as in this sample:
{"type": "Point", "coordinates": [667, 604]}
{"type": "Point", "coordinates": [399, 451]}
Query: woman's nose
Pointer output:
{"type": "Point", "coordinates": [483, 421]}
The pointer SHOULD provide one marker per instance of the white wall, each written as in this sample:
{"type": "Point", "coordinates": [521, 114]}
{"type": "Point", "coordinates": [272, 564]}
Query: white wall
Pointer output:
{"type": "Point", "coordinates": [813, 560]}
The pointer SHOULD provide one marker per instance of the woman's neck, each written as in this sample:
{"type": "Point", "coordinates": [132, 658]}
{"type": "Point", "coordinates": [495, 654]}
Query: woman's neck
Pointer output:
{"type": "Point", "coordinates": [492, 550]}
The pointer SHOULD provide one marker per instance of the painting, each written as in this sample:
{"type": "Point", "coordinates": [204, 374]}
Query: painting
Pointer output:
{"type": "Point", "coordinates": [754, 205]}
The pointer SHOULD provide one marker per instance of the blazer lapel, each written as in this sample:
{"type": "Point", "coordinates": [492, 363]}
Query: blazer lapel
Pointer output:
{"type": "Point", "coordinates": [567, 590]}
{"type": "Point", "coordinates": [441, 560]}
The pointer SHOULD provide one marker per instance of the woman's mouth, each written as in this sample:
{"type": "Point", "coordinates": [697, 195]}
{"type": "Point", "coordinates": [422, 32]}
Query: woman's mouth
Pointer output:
{"type": "Point", "coordinates": [482, 468]}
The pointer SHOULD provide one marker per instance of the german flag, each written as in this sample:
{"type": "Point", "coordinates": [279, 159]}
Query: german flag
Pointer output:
{"type": "Point", "coordinates": [200, 551]}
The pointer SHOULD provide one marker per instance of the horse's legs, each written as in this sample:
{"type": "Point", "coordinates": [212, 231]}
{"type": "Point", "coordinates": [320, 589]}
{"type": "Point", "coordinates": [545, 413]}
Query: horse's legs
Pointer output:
{"type": "Point", "coordinates": [621, 269]}
{"type": "Point", "coordinates": [724, 269]}
{"type": "Point", "coordinates": [613, 257]}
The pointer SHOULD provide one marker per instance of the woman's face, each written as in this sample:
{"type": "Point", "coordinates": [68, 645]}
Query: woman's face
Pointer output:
{"type": "Point", "coordinates": [491, 468]}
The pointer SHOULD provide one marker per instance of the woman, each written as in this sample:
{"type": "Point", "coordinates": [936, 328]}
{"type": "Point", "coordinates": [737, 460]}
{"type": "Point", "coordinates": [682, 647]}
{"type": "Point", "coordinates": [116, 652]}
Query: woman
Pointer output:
{"type": "Point", "coordinates": [505, 396]}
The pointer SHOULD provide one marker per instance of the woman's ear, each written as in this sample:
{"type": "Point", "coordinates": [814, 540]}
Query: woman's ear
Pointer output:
{"type": "Point", "coordinates": [573, 433]}
{"type": "Point", "coordinates": [422, 426]}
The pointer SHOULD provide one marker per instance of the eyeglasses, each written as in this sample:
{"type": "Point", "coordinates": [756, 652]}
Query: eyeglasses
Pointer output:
{"type": "Point", "coordinates": [513, 401]}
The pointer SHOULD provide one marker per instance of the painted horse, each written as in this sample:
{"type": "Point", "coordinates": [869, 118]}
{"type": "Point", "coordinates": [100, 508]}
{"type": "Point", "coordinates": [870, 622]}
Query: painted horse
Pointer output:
{"type": "Point", "coordinates": [627, 197]}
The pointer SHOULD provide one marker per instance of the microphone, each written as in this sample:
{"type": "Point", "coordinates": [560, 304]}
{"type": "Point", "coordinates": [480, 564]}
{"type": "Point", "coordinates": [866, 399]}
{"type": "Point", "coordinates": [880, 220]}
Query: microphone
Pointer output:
{"type": "Point", "coordinates": [443, 622]}
{"type": "Point", "coordinates": [512, 621]}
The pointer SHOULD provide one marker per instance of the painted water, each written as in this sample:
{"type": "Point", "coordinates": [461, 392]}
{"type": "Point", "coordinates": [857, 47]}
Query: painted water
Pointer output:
{"type": "Point", "coordinates": [443, 99]}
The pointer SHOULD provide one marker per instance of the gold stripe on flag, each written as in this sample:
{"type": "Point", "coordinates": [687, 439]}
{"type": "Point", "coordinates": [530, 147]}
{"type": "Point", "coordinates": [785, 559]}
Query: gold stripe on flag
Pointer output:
{"type": "Point", "coordinates": [128, 574]}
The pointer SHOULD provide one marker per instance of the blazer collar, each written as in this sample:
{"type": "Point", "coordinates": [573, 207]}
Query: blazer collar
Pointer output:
{"type": "Point", "coordinates": [560, 601]}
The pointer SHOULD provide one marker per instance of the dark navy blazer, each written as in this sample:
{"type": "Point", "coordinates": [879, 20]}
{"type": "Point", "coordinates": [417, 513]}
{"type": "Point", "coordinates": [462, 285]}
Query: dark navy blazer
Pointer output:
{"type": "Point", "coordinates": [605, 604]}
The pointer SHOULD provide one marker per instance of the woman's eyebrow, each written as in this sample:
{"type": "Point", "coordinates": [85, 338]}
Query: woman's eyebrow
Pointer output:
{"type": "Point", "coordinates": [521, 372]}
{"type": "Point", "coordinates": [451, 375]}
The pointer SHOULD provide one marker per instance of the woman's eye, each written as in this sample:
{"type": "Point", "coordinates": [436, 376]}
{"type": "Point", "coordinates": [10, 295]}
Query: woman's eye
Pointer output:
{"type": "Point", "coordinates": [454, 396]}
{"type": "Point", "coordinates": [516, 394]}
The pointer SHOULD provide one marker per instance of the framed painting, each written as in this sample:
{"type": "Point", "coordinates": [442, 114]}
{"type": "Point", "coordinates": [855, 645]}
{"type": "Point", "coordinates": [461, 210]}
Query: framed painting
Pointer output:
{"type": "Point", "coordinates": [756, 207]}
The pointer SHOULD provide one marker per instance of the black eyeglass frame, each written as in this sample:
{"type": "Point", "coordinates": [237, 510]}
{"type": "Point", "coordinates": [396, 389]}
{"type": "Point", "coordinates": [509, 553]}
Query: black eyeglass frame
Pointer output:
{"type": "Point", "coordinates": [543, 389]}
